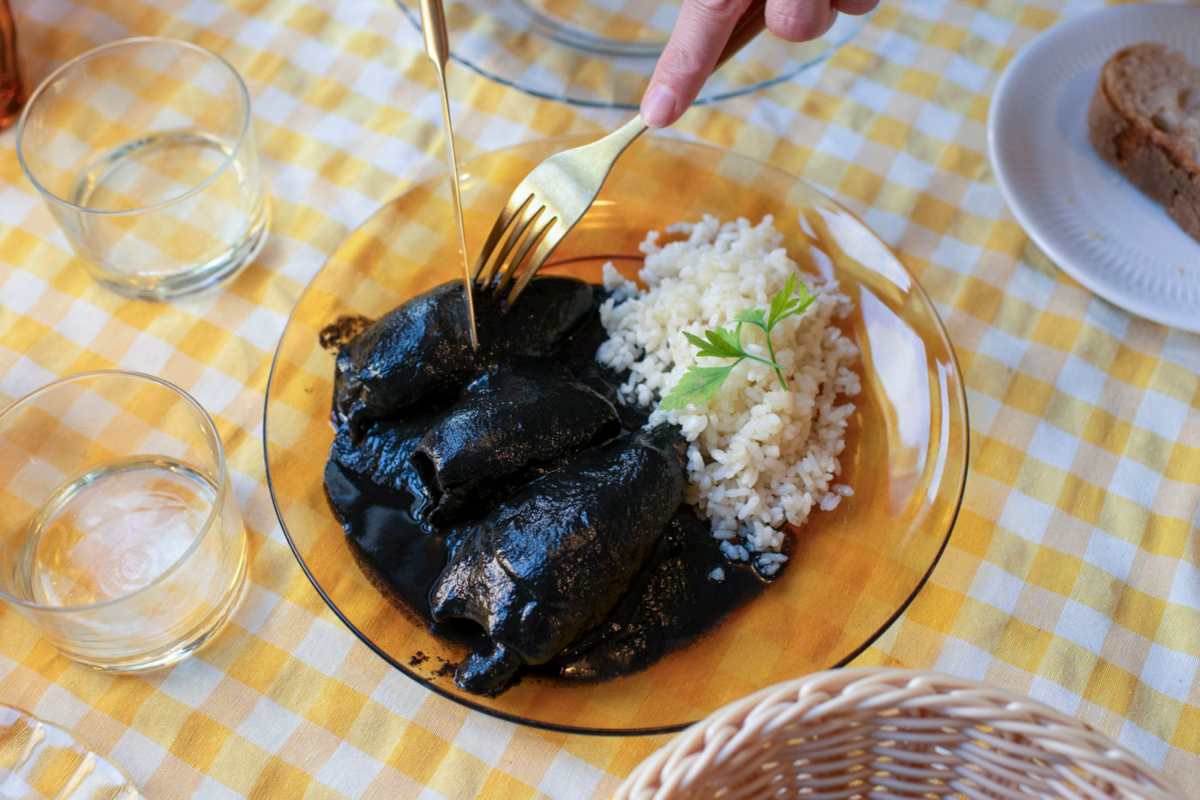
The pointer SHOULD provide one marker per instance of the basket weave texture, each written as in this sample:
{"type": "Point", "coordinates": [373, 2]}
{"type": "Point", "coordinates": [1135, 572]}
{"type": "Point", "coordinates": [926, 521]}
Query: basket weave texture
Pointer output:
{"type": "Point", "coordinates": [890, 733]}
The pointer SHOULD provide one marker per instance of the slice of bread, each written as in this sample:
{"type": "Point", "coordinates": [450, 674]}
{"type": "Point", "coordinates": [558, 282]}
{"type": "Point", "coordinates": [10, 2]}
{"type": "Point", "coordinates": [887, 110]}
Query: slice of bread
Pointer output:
{"type": "Point", "coordinates": [1145, 121]}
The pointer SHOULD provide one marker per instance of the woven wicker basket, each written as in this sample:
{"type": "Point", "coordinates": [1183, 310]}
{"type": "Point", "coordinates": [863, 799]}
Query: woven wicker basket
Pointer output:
{"type": "Point", "coordinates": [875, 733]}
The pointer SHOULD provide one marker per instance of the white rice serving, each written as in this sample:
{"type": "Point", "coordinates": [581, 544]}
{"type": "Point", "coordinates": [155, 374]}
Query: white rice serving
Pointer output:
{"type": "Point", "coordinates": [759, 457]}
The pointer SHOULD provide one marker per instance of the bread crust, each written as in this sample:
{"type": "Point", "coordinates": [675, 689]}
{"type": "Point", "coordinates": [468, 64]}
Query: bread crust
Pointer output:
{"type": "Point", "coordinates": [1159, 164]}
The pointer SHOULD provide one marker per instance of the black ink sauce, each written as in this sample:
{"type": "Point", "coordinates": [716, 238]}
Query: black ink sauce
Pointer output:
{"type": "Point", "coordinates": [682, 590]}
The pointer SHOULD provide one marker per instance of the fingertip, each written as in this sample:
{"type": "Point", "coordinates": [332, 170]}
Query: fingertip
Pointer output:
{"type": "Point", "coordinates": [660, 106]}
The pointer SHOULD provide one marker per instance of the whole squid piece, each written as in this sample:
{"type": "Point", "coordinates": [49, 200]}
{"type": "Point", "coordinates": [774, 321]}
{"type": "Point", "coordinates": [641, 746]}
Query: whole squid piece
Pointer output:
{"type": "Point", "coordinates": [420, 350]}
{"type": "Point", "coordinates": [508, 419]}
{"type": "Point", "coordinates": [551, 562]}
{"type": "Point", "coordinates": [685, 587]}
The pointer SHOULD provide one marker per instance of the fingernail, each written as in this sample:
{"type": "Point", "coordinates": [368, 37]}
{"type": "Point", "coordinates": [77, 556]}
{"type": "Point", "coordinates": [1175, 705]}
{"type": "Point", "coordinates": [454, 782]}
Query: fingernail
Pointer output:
{"type": "Point", "coordinates": [658, 106]}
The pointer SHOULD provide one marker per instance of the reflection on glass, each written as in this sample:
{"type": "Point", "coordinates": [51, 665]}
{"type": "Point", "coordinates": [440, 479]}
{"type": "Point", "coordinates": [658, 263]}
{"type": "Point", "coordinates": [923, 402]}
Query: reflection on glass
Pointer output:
{"type": "Point", "coordinates": [857, 242]}
{"type": "Point", "coordinates": [897, 355]}
{"type": "Point", "coordinates": [944, 378]}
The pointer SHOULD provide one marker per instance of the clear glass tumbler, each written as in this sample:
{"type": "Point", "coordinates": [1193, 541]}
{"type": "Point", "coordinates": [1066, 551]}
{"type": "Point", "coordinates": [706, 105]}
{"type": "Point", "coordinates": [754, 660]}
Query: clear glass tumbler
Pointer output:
{"type": "Point", "coordinates": [144, 151]}
{"type": "Point", "coordinates": [119, 534]}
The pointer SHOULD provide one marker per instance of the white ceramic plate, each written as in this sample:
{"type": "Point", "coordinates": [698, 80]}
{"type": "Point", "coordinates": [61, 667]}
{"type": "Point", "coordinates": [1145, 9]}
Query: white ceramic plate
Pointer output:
{"type": "Point", "coordinates": [1086, 217]}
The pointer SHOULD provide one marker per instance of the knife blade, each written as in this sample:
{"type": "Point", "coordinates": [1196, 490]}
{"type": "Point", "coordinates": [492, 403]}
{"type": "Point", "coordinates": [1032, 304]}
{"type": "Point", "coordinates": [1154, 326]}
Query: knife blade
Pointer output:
{"type": "Point", "coordinates": [437, 47]}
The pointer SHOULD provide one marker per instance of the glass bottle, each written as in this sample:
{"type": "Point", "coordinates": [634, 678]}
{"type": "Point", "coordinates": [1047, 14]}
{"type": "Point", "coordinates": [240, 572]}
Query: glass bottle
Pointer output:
{"type": "Point", "coordinates": [12, 93]}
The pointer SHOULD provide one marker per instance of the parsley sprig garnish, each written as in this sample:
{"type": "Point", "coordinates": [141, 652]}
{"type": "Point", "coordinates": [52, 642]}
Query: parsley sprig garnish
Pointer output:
{"type": "Point", "coordinates": [699, 384]}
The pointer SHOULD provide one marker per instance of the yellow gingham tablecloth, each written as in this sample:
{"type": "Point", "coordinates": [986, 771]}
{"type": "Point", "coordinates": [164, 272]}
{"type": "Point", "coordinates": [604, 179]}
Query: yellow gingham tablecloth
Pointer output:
{"type": "Point", "coordinates": [1072, 574]}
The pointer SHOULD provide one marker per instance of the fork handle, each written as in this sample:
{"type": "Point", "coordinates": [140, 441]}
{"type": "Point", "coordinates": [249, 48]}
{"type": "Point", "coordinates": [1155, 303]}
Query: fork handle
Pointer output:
{"type": "Point", "coordinates": [751, 23]}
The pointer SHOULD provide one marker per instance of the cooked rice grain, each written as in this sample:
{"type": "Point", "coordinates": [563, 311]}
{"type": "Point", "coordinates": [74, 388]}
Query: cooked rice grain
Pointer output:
{"type": "Point", "coordinates": [758, 456]}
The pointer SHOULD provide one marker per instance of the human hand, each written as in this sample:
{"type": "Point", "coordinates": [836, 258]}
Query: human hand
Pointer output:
{"type": "Point", "coordinates": [703, 29]}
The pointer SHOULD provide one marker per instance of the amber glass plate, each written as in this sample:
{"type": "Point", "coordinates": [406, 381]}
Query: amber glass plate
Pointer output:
{"type": "Point", "coordinates": [853, 570]}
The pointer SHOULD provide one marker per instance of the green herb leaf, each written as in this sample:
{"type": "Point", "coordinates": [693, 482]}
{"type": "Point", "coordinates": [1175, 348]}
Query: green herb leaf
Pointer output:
{"type": "Point", "coordinates": [781, 300]}
{"type": "Point", "coordinates": [725, 340]}
{"type": "Point", "coordinates": [753, 316]}
{"type": "Point", "coordinates": [712, 347]}
{"type": "Point", "coordinates": [804, 298]}
{"type": "Point", "coordinates": [698, 385]}
{"type": "Point", "coordinates": [793, 300]}
{"type": "Point", "coordinates": [722, 343]}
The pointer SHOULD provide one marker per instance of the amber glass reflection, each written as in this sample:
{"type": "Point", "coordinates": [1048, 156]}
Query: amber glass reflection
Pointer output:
{"type": "Point", "coordinates": [12, 92]}
{"type": "Point", "coordinates": [853, 570]}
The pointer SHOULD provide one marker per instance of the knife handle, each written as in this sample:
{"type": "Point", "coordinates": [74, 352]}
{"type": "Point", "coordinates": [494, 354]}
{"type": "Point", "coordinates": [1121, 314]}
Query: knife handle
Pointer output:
{"type": "Point", "coordinates": [433, 26]}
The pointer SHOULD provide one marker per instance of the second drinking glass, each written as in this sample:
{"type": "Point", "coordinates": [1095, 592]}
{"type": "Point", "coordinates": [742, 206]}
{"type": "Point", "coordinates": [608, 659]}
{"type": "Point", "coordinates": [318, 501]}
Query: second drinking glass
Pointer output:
{"type": "Point", "coordinates": [119, 534]}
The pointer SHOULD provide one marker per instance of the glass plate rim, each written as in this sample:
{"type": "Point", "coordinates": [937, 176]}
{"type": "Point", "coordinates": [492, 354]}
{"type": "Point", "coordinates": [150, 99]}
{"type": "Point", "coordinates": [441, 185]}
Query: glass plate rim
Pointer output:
{"type": "Point", "coordinates": [960, 401]}
{"type": "Point", "coordinates": [78, 741]}
{"type": "Point", "coordinates": [414, 18]}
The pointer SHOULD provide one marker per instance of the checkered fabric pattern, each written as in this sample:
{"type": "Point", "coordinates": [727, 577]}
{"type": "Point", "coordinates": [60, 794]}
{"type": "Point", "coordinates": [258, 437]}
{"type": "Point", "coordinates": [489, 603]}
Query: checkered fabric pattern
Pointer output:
{"type": "Point", "coordinates": [1073, 573]}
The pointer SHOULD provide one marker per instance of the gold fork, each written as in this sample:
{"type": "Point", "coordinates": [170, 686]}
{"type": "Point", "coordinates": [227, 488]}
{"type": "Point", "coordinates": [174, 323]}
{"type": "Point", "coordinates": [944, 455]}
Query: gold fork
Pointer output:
{"type": "Point", "coordinates": [551, 199]}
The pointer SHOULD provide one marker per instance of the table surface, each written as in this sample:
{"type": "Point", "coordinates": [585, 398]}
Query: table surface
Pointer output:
{"type": "Point", "coordinates": [1071, 575]}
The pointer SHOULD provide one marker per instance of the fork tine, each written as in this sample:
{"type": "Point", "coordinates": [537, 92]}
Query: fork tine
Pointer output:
{"type": "Point", "coordinates": [502, 224]}
{"type": "Point", "coordinates": [514, 268]}
{"type": "Point", "coordinates": [545, 248]}
{"type": "Point", "coordinates": [496, 271]}
{"type": "Point", "coordinates": [503, 220]}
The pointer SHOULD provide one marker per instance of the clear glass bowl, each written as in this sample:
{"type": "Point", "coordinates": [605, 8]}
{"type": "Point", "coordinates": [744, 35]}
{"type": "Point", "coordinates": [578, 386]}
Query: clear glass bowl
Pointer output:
{"type": "Point", "coordinates": [853, 570]}
{"type": "Point", "coordinates": [602, 54]}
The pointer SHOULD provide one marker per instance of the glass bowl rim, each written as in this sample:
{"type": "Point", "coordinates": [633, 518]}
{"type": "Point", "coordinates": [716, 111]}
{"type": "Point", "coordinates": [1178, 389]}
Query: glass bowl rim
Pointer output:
{"type": "Point", "coordinates": [563, 142]}
{"type": "Point", "coordinates": [524, 87]}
